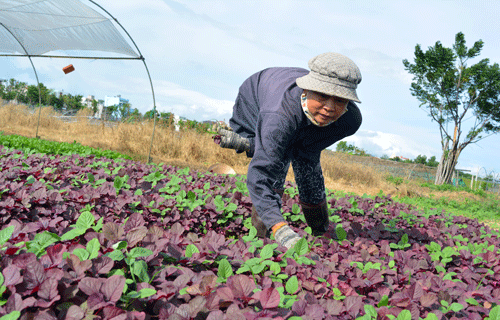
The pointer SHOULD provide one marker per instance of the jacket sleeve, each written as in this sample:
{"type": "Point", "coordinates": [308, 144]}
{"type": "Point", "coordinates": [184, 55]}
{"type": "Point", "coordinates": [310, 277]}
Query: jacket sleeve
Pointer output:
{"type": "Point", "coordinates": [269, 165]}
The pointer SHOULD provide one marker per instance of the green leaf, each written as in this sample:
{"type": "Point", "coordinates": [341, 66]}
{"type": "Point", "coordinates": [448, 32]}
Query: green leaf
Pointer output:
{"type": "Point", "coordinates": [258, 268]}
{"type": "Point", "coordinates": [301, 247]}
{"type": "Point", "coordinates": [81, 253]}
{"type": "Point", "coordinates": [5, 234]}
{"type": "Point", "coordinates": [243, 268]}
{"type": "Point", "coordinates": [115, 255]}
{"type": "Point", "coordinates": [11, 316]}
{"type": "Point", "coordinates": [275, 267]}
{"type": "Point", "coordinates": [190, 249]}
{"type": "Point", "coordinates": [251, 234]}
{"type": "Point", "coordinates": [431, 316]}
{"type": "Point", "coordinates": [494, 313]}
{"type": "Point", "coordinates": [98, 225]}
{"type": "Point", "coordinates": [292, 285]}
{"type": "Point", "coordinates": [93, 247]}
{"type": "Point", "coordinates": [341, 233]}
{"type": "Point", "coordinates": [146, 292]}
{"type": "Point", "coordinates": [404, 315]}
{"type": "Point", "coordinates": [370, 311]}
{"type": "Point", "coordinates": [191, 196]}
{"type": "Point", "coordinates": [472, 302]}
{"type": "Point", "coordinates": [404, 239]}
{"type": "Point", "coordinates": [139, 252]}
{"type": "Point", "coordinates": [42, 241]}
{"type": "Point", "coordinates": [266, 252]}
{"type": "Point", "coordinates": [455, 307]}
{"type": "Point", "coordinates": [140, 269]}
{"type": "Point", "coordinates": [383, 302]}
{"type": "Point", "coordinates": [120, 245]}
{"type": "Point", "coordinates": [225, 269]}
{"type": "Point", "coordinates": [85, 220]}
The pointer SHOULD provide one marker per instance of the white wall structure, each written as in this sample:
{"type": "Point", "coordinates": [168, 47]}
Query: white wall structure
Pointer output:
{"type": "Point", "coordinates": [111, 101]}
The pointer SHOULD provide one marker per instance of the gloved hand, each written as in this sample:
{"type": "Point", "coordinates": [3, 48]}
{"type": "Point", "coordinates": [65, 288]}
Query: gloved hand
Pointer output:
{"type": "Point", "coordinates": [284, 235]}
{"type": "Point", "coordinates": [231, 140]}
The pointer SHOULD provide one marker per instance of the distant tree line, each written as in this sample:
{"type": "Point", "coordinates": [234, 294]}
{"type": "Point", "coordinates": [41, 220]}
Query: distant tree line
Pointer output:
{"type": "Point", "coordinates": [22, 93]}
{"type": "Point", "coordinates": [343, 146]}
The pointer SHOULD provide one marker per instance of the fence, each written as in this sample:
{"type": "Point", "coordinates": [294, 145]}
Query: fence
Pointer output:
{"type": "Point", "coordinates": [414, 171]}
{"type": "Point", "coordinates": [490, 182]}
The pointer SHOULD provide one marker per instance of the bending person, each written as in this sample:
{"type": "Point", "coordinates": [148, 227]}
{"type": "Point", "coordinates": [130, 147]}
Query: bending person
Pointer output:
{"type": "Point", "coordinates": [289, 115]}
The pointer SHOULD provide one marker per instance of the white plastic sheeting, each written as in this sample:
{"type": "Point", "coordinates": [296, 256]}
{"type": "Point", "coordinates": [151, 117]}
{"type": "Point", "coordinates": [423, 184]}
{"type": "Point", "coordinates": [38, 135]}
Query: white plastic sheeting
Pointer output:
{"type": "Point", "coordinates": [43, 26]}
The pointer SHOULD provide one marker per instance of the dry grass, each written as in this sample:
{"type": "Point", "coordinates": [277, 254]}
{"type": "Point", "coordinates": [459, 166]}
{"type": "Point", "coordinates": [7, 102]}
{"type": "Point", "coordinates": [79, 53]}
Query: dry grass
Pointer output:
{"type": "Point", "coordinates": [189, 148]}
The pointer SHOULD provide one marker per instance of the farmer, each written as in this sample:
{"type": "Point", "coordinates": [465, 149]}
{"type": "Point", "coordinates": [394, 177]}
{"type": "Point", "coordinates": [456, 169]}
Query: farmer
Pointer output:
{"type": "Point", "coordinates": [289, 115]}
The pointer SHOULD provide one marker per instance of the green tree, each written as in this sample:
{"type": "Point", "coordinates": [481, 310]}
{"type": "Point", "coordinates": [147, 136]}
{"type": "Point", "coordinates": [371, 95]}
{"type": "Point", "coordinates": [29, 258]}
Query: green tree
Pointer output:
{"type": "Point", "coordinates": [342, 146]}
{"type": "Point", "coordinates": [95, 106]}
{"type": "Point", "coordinates": [422, 159]}
{"type": "Point", "coordinates": [432, 162]}
{"type": "Point", "coordinates": [124, 110]}
{"type": "Point", "coordinates": [15, 90]}
{"type": "Point", "coordinates": [110, 112]}
{"type": "Point", "coordinates": [32, 95]}
{"type": "Point", "coordinates": [150, 115]}
{"type": "Point", "coordinates": [450, 89]}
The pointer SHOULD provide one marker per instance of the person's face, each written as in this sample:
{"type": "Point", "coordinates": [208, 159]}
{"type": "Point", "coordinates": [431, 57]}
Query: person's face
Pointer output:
{"type": "Point", "coordinates": [325, 108]}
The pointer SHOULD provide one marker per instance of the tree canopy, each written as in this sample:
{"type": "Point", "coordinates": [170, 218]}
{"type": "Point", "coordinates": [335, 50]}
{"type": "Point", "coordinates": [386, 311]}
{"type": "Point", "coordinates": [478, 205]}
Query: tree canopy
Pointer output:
{"type": "Point", "coordinates": [453, 93]}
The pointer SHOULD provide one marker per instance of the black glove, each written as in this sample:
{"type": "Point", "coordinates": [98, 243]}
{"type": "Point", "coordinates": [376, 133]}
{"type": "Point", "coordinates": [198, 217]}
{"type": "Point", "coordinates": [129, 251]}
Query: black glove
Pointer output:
{"type": "Point", "coordinates": [231, 140]}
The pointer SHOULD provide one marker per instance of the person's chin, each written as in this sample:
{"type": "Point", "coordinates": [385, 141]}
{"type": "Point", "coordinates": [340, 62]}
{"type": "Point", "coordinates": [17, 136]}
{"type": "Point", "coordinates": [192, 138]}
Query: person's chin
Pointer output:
{"type": "Point", "coordinates": [323, 120]}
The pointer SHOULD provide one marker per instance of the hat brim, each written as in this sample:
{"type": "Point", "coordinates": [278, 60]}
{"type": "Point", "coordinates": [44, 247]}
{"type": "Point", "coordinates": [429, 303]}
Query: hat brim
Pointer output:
{"type": "Point", "coordinates": [309, 82]}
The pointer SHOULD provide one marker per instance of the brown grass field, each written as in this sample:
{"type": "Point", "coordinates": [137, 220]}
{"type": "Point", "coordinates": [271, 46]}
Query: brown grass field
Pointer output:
{"type": "Point", "coordinates": [197, 151]}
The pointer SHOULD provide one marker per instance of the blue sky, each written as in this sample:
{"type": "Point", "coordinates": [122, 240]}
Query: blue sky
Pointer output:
{"type": "Point", "coordinates": [199, 52]}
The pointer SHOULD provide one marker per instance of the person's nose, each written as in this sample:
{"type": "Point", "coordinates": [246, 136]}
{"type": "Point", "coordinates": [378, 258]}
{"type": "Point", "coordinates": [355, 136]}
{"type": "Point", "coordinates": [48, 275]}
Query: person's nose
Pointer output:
{"type": "Point", "coordinates": [330, 105]}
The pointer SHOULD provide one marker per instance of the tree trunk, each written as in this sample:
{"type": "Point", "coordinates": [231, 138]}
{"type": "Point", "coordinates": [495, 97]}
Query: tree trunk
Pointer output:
{"type": "Point", "coordinates": [447, 165]}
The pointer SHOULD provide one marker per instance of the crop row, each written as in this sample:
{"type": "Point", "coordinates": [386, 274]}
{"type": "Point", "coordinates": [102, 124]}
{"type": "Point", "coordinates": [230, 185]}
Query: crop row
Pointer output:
{"type": "Point", "coordinates": [86, 237]}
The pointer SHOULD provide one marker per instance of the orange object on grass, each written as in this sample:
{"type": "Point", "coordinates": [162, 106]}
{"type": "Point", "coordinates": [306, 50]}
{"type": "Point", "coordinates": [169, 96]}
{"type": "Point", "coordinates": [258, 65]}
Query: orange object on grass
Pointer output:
{"type": "Point", "coordinates": [68, 69]}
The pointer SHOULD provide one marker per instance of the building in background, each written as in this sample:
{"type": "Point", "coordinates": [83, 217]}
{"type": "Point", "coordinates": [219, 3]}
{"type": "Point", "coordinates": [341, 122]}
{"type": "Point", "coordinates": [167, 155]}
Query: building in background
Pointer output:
{"type": "Point", "coordinates": [103, 109]}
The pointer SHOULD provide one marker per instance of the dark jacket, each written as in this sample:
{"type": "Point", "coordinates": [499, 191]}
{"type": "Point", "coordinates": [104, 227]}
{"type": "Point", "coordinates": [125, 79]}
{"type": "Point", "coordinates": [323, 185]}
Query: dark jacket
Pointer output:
{"type": "Point", "coordinates": [268, 112]}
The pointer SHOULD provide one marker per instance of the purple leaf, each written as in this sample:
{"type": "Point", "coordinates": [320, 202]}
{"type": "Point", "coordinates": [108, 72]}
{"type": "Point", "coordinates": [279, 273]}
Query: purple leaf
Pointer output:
{"type": "Point", "coordinates": [113, 287]}
{"type": "Point", "coordinates": [89, 286]}
{"type": "Point", "coordinates": [111, 312]}
{"type": "Point", "coordinates": [45, 315]}
{"type": "Point", "coordinates": [225, 293]}
{"type": "Point", "coordinates": [24, 259]}
{"type": "Point", "coordinates": [428, 299]}
{"type": "Point", "coordinates": [269, 298]}
{"type": "Point", "coordinates": [241, 285]}
{"type": "Point", "coordinates": [74, 313]}
{"type": "Point", "coordinates": [315, 311]}
{"type": "Point", "coordinates": [134, 221]}
{"type": "Point", "coordinates": [34, 275]}
{"type": "Point", "coordinates": [216, 315]}
{"type": "Point", "coordinates": [48, 289]}
{"type": "Point", "coordinates": [135, 235]}
{"type": "Point", "coordinates": [112, 231]}
{"type": "Point", "coordinates": [79, 266]}
{"type": "Point", "coordinates": [353, 305]}
{"type": "Point", "coordinates": [96, 301]}
{"type": "Point", "coordinates": [15, 302]}
{"type": "Point", "coordinates": [55, 253]}
{"type": "Point", "coordinates": [102, 265]}
{"type": "Point", "coordinates": [12, 275]}
{"type": "Point", "coordinates": [136, 315]}
{"type": "Point", "coordinates": [299, 307]}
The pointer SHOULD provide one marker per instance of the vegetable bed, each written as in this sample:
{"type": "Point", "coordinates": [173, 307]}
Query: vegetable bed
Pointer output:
{"type": "Point", "coordinates": [87, 237]}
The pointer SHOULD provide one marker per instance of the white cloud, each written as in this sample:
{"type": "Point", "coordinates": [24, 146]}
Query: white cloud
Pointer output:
{"type": "Point", "coordinates": [380, 143]}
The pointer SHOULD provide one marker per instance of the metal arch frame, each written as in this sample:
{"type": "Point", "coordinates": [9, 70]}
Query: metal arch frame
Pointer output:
{"type": "Point", "coordinates": [141, 57]}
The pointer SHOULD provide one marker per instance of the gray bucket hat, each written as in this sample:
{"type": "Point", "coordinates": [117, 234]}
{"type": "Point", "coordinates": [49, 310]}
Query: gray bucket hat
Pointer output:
{"type": "Point", "coordinates": [332, 74]}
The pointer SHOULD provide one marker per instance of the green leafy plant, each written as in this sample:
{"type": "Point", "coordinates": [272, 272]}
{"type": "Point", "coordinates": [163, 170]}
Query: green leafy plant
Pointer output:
{"type": "Point", "coordinates": [402, 244]}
